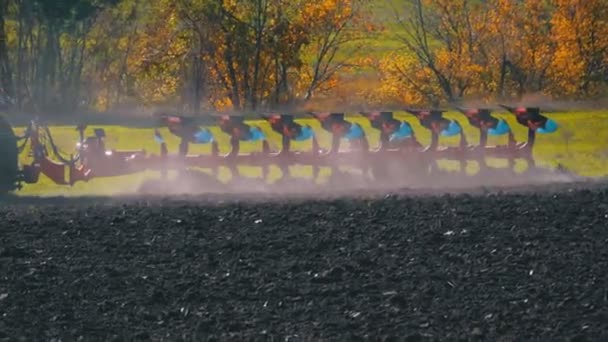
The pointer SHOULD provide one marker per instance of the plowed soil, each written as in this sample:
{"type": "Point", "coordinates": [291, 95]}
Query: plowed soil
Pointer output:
{"type": "Point", "coordinates": [496, 266]}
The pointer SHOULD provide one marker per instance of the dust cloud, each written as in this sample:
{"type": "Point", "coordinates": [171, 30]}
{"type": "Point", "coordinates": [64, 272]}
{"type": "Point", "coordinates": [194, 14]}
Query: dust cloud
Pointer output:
{"type": "Point", "coordinates": [358, 182]}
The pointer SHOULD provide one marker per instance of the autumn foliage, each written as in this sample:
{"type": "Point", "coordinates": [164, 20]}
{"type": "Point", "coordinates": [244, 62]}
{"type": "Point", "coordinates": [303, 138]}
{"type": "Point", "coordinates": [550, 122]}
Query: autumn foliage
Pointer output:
{"type": "Point", "coordinates": [215, 55]}
{"type": "Point", "coordinates": [497, 49]}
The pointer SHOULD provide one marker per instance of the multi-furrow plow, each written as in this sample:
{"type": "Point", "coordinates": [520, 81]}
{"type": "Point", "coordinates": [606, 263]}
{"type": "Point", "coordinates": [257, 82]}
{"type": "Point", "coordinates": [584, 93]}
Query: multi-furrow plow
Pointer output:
{"type": "Point", "coordinates": [398, 155]}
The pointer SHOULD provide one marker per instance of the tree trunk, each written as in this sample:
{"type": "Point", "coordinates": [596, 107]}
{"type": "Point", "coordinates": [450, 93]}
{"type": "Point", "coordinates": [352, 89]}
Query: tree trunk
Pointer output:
{"type": "Point", "coordinates": [198, 83]}
{"type": "Point", "coordinates": [503, 74]}
{"type": "Point", "coordinates": [6, 76]}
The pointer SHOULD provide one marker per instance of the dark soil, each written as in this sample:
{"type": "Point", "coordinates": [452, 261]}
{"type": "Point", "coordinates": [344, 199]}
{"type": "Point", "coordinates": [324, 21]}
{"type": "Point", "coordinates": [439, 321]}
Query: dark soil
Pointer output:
{"type": "Point", "coordinates": [496, 267]}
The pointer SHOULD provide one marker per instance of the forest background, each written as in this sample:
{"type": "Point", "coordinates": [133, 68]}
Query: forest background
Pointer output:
{"type": "Point", "coordinates": [199, 56]}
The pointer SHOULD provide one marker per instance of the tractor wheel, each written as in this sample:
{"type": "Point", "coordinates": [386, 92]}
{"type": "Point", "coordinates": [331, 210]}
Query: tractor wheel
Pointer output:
{"type": "Point", "coordinates": [9, 158]}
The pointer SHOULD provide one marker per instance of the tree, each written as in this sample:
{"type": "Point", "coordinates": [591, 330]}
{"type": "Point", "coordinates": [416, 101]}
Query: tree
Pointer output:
{"type": "Point", "coordinates": [334, 25]}
{"type": "Point", "coordinates": [448, 41]}
{"type": "Point", "coordinates": [6, 78]}
{"type": "Point", "coordinates": [46, 47]}
{"type": "Point", "coordinates": [201, 55]}
{"type": "Point", "coordinates": [521, 31]}
{"type": "Point", "coordinates": [257, 52]}
{"type": "Point", "coordinates": [580, 32]}
{"type": "Point", "coordinates": [479, 50]}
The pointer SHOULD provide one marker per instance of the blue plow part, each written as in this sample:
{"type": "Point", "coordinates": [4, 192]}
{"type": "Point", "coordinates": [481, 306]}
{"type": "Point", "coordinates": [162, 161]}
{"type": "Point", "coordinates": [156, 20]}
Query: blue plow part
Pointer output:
{"type": "Point", "coordinates": [405, 131]}
{"type": "Point", "coordinates": [204, 136]}
{"type": "Point", "coordinates": [159, 139]}
{"type": "Point", "coordinates": [452, 129]}
{"type": "Point", "coordinates": [305, 134]}
{"type": "Point", "coordinates": [501, 128]}
{"type": "Point", "coordinates": [550, 127]}
{"type": "Point", "coordinates": [256, 134]}
{"type": "Point", "coordinates": [355, 132]}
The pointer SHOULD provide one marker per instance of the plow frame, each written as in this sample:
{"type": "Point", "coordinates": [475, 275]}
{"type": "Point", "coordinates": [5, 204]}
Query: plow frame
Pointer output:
{"type": "Point", "coordinates": [93, 160]}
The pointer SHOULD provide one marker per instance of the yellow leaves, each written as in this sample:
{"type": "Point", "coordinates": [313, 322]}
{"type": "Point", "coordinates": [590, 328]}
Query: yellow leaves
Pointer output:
{"type": "Point", "coordinates": [566, 70]}
{"type": "Point", "coordinates": [101, 102]}
{"type": "Point", "coordinates": [319, 15]}
{"type": "Point", "coordinates": [302, 82]}
{"type": "Point", "coordinates": [332, 83]}
{"type": "Point", "coordinates": [580, 32]}
{"type": "Point", "coordinates": [364, 61]}
{"type": "Point", "coordinates": [403, 81]}
{"type": "Point", "coordinates": [446, 59]}
{"type": "Point", "coordinates": [222, 104]}
{"type": "Point", "coordinates": [141, 58]}
{"type": "Point", "coordinates": [123, 43]}
{"type": "Point", "coordinates": [150, 58]}
{"type": "Point", "coordinates": [316, 9]}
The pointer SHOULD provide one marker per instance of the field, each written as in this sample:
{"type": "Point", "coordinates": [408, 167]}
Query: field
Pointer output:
{"type": "Point", "coordinates": [523, 264]}
{"type": "Point", "coordinates": [499, 267]}
{"type": "Point", "coordinates": [579, 145]}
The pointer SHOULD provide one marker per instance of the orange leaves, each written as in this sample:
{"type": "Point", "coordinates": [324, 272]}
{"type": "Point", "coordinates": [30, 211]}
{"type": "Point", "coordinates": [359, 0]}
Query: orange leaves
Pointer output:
{"type": "Point", "coordinates": [536, 45]}
{"type": "Point", "coordinates": [326, 14]}
{"type": "Point", "coordinates": [403, 81]}
{"type": "Point", "coordinates": [580, 32]}
{"type": "Point", "coordinates": [222, 104]}
{"type": "Point", "coordinates": [328, 48]}
{"type": "Point", "coordinates": [326, 10]}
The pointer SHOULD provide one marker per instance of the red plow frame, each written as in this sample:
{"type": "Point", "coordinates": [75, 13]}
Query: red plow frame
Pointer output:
{"type": "Point", "coordinates": [398, 146]}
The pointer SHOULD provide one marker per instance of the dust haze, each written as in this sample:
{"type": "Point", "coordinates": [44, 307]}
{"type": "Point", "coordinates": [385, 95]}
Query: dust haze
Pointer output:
{"type": "Point", "coordinates": [355, 184]}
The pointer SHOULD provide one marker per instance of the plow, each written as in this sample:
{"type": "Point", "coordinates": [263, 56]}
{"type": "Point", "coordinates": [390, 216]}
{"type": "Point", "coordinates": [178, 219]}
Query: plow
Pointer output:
{"type": "Point", "coordinates": [398, 157]}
